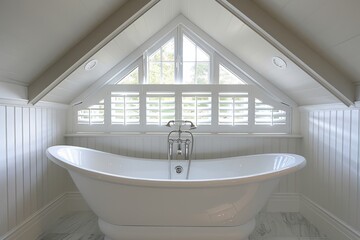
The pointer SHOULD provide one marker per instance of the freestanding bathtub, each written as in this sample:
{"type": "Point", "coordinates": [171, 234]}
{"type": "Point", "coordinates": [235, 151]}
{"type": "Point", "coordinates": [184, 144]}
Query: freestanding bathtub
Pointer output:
{"type": "Point", "coordinates": [135, 199]}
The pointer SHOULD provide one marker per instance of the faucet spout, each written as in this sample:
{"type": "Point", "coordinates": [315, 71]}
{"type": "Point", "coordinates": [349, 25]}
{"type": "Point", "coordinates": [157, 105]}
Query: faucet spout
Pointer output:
{"type": "Point", "coordinates": [179, 151]}
{"type": "Point", "coordinates": [183, 140]}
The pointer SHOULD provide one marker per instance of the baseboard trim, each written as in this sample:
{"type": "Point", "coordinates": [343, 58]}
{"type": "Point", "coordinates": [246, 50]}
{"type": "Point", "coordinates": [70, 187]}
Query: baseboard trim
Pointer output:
{"type": "Point", "coordinates": [34, 225]}
{"type": "Point", "coordinates": [327, 222]}
{"type": "Point", "coordinates": [40, 221]}
{"type": "Point", "coordinates": [69, 202]}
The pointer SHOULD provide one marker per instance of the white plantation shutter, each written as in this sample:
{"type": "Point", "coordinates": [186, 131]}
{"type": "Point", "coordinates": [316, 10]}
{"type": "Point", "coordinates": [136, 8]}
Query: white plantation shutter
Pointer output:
{"type": "Point", "coordinates": [94, 114]}
{"type": "Point", "coordinates": [181, 77]}
{"type": "Point", "coordinates": [233, 109]}
{"type": "Point", "coordinates": [266, 114]}
{"type": "Point", "coordinates": [196, 107]}
{"type": "Point", "coordinates": [125, 108]}
{"type": "Point", "coordinates": [160, 108]}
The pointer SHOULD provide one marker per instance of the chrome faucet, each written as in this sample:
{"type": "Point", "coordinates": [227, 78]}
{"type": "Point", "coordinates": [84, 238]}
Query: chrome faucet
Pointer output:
{"type": "Point", "coordinates": [180, 138]}
{"type": "Point", "coordinates": [183, 139]}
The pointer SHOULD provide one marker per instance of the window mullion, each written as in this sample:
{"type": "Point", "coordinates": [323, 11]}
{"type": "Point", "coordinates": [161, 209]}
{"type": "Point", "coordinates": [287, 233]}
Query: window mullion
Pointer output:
{"type": "Point", "coordinates": [215, 108]}
{"type": "Point", "coordinates": [196, 110]}
{"type": "Point", "coordinates": [143, 69]}
{"type": "Point", "coordinates": [107, 110]}
{"type": "Point", "coordinates": [251, 112]}
{"type": "Point", "coordinates": [178, 104]}
{"type": "Point", "coordinates": [142, 107]}
{"type": "Point", "coordinates": [160, 110]}
{"type": "Point", "coordinates": [161, 66]}
{"type": "Point", "coordinates": [215, 70]}
{"type": "Point", "coordinates": [179, 55]}
{"type": "Point", "coordinates": [233, 111]}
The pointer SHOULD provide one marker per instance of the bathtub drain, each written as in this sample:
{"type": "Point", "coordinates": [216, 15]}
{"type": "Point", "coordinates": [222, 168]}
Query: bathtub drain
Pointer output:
{"type": "Point", "coordinates": [178, 169]}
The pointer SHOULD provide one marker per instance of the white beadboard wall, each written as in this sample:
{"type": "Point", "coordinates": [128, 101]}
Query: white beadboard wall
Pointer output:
{"type": "Point", "coordinates": [332, 176]}
{"type": "Point", "coordinates": [28, 181]}
{"type": "Point", "coordinates": [206, 146]}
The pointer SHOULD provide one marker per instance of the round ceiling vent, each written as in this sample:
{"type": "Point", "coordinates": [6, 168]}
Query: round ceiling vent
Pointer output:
{"type": "Point", "coordinates": [91, 64]}
{"type": "Point", "coordinates": [279, 62]}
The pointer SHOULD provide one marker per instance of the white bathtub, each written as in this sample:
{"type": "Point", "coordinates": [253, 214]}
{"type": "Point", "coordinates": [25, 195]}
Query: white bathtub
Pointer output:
{"type": "Point", "coordinates": [135, 199]}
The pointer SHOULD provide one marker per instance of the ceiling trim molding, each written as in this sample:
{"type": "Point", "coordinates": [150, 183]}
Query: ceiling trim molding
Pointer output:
{"type": "Point", "coordinates": [293, 48]}
{"type": "Point", "coordinates": [87, 47]}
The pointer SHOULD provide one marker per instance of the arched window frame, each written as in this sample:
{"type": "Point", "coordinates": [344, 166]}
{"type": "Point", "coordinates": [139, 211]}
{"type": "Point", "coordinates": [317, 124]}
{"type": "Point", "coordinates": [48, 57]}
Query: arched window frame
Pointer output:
{"type": "Point", "coordinates": [214, 88]}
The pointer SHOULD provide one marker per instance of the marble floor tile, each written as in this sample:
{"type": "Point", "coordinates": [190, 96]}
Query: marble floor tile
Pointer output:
{"type": "Point", "coordinates": [269, 226]}
{"type": "Point", "coordinates": [76, 226]}
{"type": "Point", "coordinates": [284, 226]}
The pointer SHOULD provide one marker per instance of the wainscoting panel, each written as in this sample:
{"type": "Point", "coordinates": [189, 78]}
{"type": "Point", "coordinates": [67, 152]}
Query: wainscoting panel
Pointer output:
{"type": "Point", "coordinates": [28, 181]}
{"type": "Point", "coordinates": [206, 146]}
{"type": "Point", "coordinates": [332, 176]}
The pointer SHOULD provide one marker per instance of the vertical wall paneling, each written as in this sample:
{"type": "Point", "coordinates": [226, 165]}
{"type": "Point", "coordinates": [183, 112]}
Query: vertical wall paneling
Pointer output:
{"type": "Point", "coordinates": [19, 163]}
{"type": "Point", "coordinates": [332, 175]}
{"type": "Point", "coordinates": [353, 165]}
{"type": "Point", "coordinates": [26, 156]}
{"type": "Point", "coordinates": [44, 143]}
{"type": "Point", "coordinates": [33, 166]}
{"type": "Point", "coordinates": [338, 161]}
{"type": "Point", "coordinates": [148, 146]}
{"type": "Point", "coordinates": [3, 172]}
{"type": "Point", "coordinates": [346, 164]}
{"type": "Point", "coordinates": [38, 150]}
{"type": "Point", "coordinates": [358, 174]}
{"type": "Point", "coordinates": [326, 154]}
{"type": "Point", "coordinates": [11, 167]}
{"type": "Point", "coordinates": [28, 180]}
{"type": "Point", "coordinates": [332, 159]}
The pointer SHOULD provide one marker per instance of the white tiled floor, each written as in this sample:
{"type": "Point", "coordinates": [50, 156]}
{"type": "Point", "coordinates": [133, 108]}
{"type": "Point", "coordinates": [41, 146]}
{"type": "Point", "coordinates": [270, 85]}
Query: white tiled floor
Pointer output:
{"type": "Point", "coordinates": [284, 226]}
{"type": "Point", "coordinates": [269, 226]}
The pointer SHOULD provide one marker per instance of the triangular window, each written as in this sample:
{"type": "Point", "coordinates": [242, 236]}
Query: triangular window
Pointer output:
{"type": "Point", "coordinates": [180, 76]}
{"type": "Point", "coordinates": [196, 63]}
{"type": "Point", "coordinates": [131, 78]}
{"type": "Point", "coordinates": [161, 64]}
{"type": "Point", "coordinates": [227, 77]}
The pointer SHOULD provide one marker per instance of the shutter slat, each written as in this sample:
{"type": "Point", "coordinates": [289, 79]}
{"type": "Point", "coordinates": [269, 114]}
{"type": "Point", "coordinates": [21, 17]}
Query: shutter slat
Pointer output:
{"type": "Point", "coordinates": [266, 114]}
{"type": "Point", "coordinates": [125, 108]}
{"type": "Point", "coordinates": [94, 114]}
{"type": "Point", "coordinates": [196, 107]}
{"type": "Point", "coordinates": [233, 109]}
{"type": "Point", "coordinates": [160, 107]}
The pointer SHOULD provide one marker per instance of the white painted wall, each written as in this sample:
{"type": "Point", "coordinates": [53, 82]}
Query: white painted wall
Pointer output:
{"type": "Point", "coordinates": [206, 146]}
{"type": "Point", "coordinates": [12, 91]}
{"type": "Point", "coordinates": [28, 181]}
{"type": "Point", "coordinates": [332, 176]}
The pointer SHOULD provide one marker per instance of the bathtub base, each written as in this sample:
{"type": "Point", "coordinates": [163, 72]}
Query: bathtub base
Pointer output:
{"type": "Point", "coordinates": [114, 232]}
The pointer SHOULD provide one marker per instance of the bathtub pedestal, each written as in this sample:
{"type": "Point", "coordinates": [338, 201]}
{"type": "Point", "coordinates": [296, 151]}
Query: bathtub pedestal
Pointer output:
{"type": "Point", "coordinates": [114, 232]}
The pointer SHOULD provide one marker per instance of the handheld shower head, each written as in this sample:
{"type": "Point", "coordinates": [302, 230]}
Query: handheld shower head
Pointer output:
{"type": "Point", "coordinates": [169, 123]}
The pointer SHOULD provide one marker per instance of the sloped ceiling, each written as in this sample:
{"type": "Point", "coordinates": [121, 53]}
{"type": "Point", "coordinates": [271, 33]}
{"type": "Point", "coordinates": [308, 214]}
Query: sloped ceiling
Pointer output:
{"type": "Point", "coordinates": [330, 27]}
{"type": "Point", "coordinates": [35, 33]}
{"type": "Point", "coordinates": [209, 15]}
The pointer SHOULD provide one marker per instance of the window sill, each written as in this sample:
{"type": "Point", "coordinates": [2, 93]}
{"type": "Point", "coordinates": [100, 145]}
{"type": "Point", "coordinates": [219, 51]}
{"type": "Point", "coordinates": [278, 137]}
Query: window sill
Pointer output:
{"type": "Point", "coordinates": [238, 135]}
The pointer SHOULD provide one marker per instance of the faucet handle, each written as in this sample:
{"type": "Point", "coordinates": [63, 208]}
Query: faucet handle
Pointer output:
{"type": "Point", "coordinates": [181, 123]}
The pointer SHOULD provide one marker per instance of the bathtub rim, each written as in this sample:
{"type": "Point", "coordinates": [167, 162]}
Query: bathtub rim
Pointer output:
{"type": "Point", "coordinates": [192, 183]}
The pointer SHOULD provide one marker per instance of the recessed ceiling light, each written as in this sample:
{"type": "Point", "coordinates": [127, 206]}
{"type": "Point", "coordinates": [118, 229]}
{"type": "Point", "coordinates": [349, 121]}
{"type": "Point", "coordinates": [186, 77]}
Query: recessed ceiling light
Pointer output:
{"type": "Point", "coordinates": [279, 62]}
{"type": "Point", "coordinates": [91, 64]}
